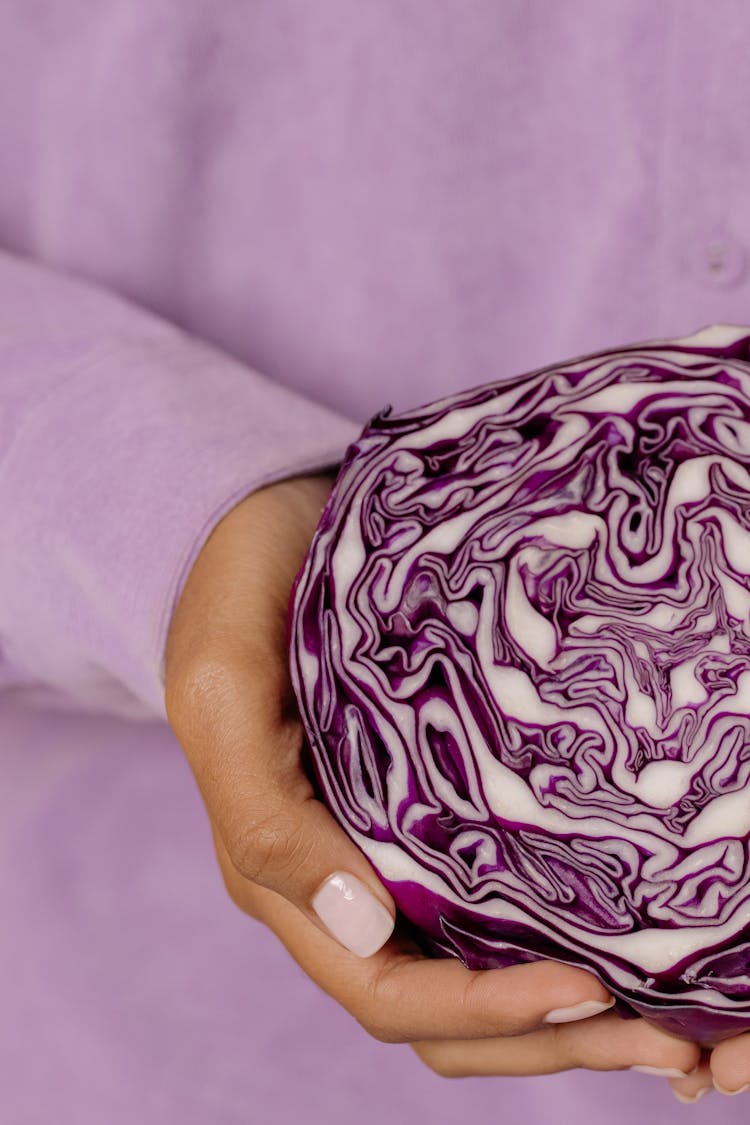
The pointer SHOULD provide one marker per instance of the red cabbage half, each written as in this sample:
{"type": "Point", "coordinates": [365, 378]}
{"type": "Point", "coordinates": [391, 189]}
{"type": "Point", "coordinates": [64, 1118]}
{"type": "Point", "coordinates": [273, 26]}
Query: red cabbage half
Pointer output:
{"type": "Point", "coordinates": [520, 645]}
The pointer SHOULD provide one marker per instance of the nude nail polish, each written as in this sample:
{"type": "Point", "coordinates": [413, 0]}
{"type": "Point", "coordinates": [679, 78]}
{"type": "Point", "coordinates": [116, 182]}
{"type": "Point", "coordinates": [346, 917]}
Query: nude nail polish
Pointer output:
{"type": "Point", "coordinates": [661, 1071]}
{"type": "Point", "coordinates": [731, 1093]}
{"type": "Point", "coordinates": [581, 1011]}
{"type": "Point", "coordinates": [352, 914]}
{"type": "Point", "coordinates": [689, 1099]}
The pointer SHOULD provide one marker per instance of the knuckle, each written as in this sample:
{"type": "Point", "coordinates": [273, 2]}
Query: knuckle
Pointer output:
{"type": "Point", "coordinates": [254, 847]}
{"type": "Point", "coordinates": [479, 1006]}
{"type": "Point", "coordinates": [571, 1046]}
{"type": "Point", "coordinates": [377, 1026]}
{"type": "Point", "coordinates": [685, 1058]}
{"type": "Point", "coordinates": [270, 849]}
{"type": "Point", "coordinates": [373, 1010]}
{"type": "Point", "coordinates": [382, 1005]}
{"type": "Point", "coordinates": [565, 1047]}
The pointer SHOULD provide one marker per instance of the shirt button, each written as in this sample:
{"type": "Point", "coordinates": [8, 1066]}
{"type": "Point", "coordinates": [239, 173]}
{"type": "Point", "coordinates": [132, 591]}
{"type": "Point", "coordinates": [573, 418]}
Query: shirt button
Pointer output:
{"type": "Point", "coordinates": [721, 262]}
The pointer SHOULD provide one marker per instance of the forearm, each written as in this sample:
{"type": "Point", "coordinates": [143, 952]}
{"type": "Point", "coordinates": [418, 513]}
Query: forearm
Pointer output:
{"type": "Point", "coordinates": [124, 442]}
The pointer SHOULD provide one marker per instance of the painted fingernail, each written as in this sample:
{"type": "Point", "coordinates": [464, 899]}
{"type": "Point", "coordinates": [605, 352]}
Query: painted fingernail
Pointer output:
{"type": "Point", "coordinates": [688, 1099]}
{"type": "Point", "coordinates": [352, 914]}
{"type": "Point", "coordinates": [731, 1093]}
{"type": "Point", "coordinates": [661, 1071]}
{"type": "Point", "coordinates": [579, 1011]}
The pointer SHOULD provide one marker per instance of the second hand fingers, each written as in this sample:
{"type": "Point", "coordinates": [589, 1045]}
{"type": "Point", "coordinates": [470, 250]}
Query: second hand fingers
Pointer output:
{"type": "Point", "coordinates": [606, 1042]}
{"type": "Point", "coordinates": [730, 1065]}
{"type": "Point", "coordinates": [399, 996]}
{"type": "Point", "coordinates": [698, 1083]}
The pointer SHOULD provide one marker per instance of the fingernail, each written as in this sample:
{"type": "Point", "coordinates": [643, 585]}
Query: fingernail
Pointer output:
{"type": "Point", "coordinates": [731, 1093]}
{"type": "Point", "coordinates": [579, 1011]}
{"type": "Point", "coordinates": [352, 914]}
{"type": "Point", "coordinates": [661, 1071]}
{"type": "Point", "coordinates": [688, 1099]}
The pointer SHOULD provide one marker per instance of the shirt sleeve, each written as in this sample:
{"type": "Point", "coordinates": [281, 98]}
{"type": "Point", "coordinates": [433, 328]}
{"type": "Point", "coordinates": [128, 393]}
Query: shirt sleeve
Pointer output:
{"type": "Point", "coordinates": [123, 441]}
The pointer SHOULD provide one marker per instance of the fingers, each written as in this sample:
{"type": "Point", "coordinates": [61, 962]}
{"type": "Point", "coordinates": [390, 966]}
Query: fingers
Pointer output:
{"type": "Point", "coordinates": [399, 996]}
{"type": "Point", "coordinates": [457, 1020]}
{"type": "Point", "coordinates": [412, 997]}
{"type": "Point", "coordinates": [229, 702]}
{"type": "Point", "coordinates": [605, 1042]}
{"type": "Point", "coordinates": [725, 1069]}
{"type": "Point", "coordinates": [246, 757]}
{"type": "Point", "coordinates": [697, 1084]}
{"type": "Point", "coordinates": [730, 1065]}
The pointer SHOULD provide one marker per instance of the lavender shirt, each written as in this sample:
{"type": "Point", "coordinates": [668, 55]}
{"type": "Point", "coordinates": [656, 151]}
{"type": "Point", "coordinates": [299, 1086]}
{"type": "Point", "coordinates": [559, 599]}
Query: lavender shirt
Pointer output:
{"type": "Point", "coordinates": [231, 232]}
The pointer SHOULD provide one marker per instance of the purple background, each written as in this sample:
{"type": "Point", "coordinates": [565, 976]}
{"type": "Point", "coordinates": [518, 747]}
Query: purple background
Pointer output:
{"type": "Point", "coordinates": [134, 991]}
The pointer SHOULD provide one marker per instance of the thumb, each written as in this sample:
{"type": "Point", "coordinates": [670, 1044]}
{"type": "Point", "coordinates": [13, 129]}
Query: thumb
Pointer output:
{"type": "Point", "coordinates": [247, 758]}
{"type": "Point", "coordinates": [229, 700]}
{"type": "Point", "coordinates": [295, 848]}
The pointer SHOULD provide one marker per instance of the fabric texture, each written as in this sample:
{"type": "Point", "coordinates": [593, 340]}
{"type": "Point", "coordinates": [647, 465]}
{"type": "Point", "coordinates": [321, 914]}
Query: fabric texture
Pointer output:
{"type": "Point", "coordinates": [367, 204]}
{"type": "Point", "coordinates": [125, 441]}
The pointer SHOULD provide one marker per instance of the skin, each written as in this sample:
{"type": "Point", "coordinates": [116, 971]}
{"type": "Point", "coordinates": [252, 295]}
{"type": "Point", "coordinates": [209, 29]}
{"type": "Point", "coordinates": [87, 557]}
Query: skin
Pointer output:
{"type": "Point", "coordinates": [231, 706]}
{"type": "Point", "coordinates": [725, 1069]}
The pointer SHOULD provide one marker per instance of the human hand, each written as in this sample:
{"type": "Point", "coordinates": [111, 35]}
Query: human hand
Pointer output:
{"type": "Point", "coordinates": [231, 705]}
{"type": "Point", "coordinates": [725, 1068]}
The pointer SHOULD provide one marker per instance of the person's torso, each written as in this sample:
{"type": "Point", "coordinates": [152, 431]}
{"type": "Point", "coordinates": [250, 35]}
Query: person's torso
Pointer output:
{"type": "Point", "coordinates": [383, 202]}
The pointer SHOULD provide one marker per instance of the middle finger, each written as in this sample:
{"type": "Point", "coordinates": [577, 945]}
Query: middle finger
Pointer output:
{"type": "Point", "coordinates": [605, 1042]}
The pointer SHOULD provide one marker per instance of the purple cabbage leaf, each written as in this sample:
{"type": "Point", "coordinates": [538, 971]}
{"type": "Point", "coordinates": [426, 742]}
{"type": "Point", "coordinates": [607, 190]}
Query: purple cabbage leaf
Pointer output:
{"type": "Point", "coordinates": [520, 644]}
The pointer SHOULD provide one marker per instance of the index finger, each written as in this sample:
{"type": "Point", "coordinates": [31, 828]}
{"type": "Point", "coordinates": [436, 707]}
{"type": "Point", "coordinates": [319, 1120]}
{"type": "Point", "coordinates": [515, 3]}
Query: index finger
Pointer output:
{"type": "Point", "coordinates": [400, 996]}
